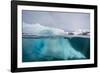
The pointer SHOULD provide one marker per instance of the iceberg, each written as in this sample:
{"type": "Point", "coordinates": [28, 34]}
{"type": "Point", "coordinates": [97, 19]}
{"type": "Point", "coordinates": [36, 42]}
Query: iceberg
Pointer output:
{"type": "Point", "coordinates": [51, 49]}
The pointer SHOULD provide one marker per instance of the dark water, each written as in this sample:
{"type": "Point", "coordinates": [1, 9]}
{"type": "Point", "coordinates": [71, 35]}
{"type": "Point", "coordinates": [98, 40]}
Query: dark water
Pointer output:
{"type": "Point", "coordinates": [55, 48]}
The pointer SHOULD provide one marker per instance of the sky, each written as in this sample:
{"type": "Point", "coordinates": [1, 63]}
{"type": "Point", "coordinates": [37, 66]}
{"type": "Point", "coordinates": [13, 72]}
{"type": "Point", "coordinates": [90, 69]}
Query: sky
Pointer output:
{"type": "Point", "coordinates": [67, 21]}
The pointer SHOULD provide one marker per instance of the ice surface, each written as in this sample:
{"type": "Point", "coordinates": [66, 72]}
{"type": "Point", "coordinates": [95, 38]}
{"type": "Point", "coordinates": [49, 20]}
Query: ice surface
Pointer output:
{"type": "Point", "coordinates": [38, 29]}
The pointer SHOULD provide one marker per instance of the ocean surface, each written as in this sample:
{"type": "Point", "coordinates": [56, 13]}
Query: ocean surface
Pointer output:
{"type": "Point", "coordinates": [55, 48]}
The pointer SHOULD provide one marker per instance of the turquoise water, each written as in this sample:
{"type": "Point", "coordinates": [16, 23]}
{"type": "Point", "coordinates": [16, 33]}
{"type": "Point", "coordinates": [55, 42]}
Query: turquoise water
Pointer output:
{"type": "Point", "coordinates": [55, 48]}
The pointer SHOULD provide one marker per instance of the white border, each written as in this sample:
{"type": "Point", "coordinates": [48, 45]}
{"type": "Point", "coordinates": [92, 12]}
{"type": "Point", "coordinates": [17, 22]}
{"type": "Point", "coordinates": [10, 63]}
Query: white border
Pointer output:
{"type": "Point", "coordinates": [53, 63]}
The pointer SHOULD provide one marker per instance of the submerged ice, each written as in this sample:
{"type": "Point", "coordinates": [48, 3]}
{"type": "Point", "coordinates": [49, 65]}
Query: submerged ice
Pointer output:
{"type": "Point", "coordinates": [58, 48]}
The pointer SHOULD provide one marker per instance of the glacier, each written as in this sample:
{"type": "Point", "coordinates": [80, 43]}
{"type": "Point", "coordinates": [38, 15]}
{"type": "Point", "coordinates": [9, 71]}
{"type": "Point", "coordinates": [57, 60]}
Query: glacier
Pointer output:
{"type": "Point", "coordinates": [52, 48]}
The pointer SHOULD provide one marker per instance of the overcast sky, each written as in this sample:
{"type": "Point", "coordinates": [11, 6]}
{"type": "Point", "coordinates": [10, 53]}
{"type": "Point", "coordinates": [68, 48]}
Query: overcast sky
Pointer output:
{"type": "Point", "coordinates": [67, 21]}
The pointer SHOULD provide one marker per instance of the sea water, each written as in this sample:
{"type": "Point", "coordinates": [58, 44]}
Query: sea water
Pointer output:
{"type": "Point", "coordinates": [55, 48]}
